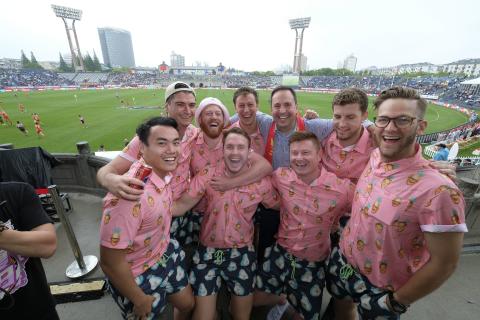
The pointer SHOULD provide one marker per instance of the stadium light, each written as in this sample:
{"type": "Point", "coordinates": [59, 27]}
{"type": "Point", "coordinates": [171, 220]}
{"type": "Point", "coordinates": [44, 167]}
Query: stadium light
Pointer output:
{"type": "Point", "coordinates": [298, 24]}
{"type": "Point", "coordinates": [66, 13]}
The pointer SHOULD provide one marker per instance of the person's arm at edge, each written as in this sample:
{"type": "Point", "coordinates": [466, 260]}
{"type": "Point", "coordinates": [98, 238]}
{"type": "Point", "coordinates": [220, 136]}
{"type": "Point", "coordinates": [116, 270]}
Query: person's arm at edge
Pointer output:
{"type": "Point", "coordinates": [39, 242]}
{"type": "Point", "coordinates": [116, 268]}
{"type": "Point", "coordinates": [444, 251]}
{"type": "Point", "coordinates": [111, 177]}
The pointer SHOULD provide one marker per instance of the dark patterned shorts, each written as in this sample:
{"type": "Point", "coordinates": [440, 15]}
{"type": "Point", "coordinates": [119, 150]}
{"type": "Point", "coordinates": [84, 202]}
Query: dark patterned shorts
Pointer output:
{"type": "Point", "coordinates": [167, 276]}
{"type": "Point", "coordinates": [234, 266]}
{"type": "Point", "coordinates": [343, 281]}
{"type": "Point", "coordinates": [301, 280]}
{"type": "Point", "coordinates": [185, 229]}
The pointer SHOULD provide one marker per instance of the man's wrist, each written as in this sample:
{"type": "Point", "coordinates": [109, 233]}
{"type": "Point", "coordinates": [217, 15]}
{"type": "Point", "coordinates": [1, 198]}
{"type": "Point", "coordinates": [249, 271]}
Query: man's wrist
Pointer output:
{"type": "Point", "coordinates": [395, 305]}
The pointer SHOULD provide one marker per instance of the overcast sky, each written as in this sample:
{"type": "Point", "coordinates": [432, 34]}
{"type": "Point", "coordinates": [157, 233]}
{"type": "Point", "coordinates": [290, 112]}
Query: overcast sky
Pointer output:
{"type": "Point", "coordinates": [254, 35]}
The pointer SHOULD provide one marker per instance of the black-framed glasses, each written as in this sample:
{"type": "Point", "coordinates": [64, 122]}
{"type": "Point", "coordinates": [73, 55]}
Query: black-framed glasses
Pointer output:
{"type": "Point", "coordinates": [400, 122]}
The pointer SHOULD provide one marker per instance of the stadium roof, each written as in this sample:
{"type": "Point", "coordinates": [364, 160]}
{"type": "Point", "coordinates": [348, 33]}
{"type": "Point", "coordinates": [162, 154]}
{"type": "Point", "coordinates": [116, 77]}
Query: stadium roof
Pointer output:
{"type": "Point", "coordinates": [472, 81]}
{"type": "Point", "coordinates": [465, 61]}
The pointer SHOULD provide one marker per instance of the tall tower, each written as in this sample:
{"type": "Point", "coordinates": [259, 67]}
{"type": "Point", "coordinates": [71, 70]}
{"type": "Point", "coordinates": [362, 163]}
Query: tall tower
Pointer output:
{"type": "Point", "coordinates": [71, 14]}
{"type": "Point", "coordinates": [117, 47]}
{"type": "Point", "coordinates": [298, 24]}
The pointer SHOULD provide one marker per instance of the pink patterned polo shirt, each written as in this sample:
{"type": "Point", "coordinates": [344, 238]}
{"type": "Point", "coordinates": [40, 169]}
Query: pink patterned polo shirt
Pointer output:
{"type": "Point", "coordinates": [308, 212]}
{"type": "Point", "coordinates": [142, 227]}
{"type": "Point", "coordinates": [394, 204]}
{"type": "Point", "coordinates": [228, 218]}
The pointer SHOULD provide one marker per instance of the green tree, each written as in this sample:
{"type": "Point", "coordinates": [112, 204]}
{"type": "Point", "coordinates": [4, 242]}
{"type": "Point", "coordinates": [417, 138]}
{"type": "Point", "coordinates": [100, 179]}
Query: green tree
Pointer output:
{"type": "Point", "coordinates": [25, 61]}
{"type": "Point", "coordinates": [33, 62]}
{"type": "Point", "coordinates": [96, 62]}
{"type": "Point", "coordinates": [64, 67]}
{"type": "Point", "coordinates": [88, 63]}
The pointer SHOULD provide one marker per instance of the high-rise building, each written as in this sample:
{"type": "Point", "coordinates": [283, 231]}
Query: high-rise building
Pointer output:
{"type": "Point", "coordinates": [350, 63]}
{"type": "Point", "coordinates": [177, 60]}
{"type": "Point", "coordinates": [117, 49]}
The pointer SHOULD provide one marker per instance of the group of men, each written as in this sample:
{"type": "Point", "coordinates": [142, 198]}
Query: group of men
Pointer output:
{"type": "Point", "coordinates": [402, 241]}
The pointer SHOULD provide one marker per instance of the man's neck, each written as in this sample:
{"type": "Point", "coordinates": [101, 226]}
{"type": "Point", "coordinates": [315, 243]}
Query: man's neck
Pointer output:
{"type": "Point", "coordinates": [211, 142]}
{"type": "Point", "coordinates": [181, 131]}
{"type": "Point", "coordinates": [351, 141]}
{"type": "Point", "coordinates": [249, 128]}
{"type": "Point", "coordinates": [308, 179]}
{"type": "Point", "coordinates": [287, 129]}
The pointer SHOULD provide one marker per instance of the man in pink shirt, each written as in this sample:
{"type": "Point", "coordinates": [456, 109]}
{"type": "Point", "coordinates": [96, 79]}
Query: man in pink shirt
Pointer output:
{"type": "Point", "coordinates": [226, 249]}
{"type": "Point", "coordinates": [207, 151]}
{"type": "Point", "coordinates": [347, 149]}
{"type": "Point", "coordinates": [405, 234]}
{"type": "Point", "coordinates": [180, 105]}
{"type": "Point", "coordinates": [312, 201]}
{"type": "Point", "coordinates": [245, 100]}
{"type": "Point", "coordinates": [140, 260]}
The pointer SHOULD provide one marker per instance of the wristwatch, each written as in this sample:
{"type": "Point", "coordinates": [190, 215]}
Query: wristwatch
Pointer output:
{"type": "Point", "coordinates": [395, 305]}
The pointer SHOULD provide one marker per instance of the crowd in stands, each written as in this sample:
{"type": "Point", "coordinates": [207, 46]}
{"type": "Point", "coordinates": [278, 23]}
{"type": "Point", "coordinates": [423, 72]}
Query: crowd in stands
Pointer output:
{"type": "Point", "coordinates": [25, 78]}
{"type": "Point", "coordinates": [448, 88]}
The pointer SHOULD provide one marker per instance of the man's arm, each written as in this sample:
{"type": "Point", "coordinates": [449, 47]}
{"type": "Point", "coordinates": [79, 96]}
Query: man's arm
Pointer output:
{"type": "Point", "coordinates": [111, 177]}
{"type": "Point", "coordinates": [446, 168]}
{"type": "Point", "coordinates": [444, 251]}
{"type": "Point", "coordinates": [39, 242]}
{"type": "Point", "coordinates": [116, 268]}
{"type": "Point", "coordinates": [184, 203]}
{"type": "Point", "coordinates": [260, 169]}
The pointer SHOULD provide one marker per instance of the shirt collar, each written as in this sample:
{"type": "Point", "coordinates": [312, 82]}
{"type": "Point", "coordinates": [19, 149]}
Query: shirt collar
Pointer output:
{"type": "Point", "coordinates": [362, 145]}
{"type": "Point", "coordinates": [201, 140]}
{"type": "Point", "coordinates": [390, 168]}
{"type": "Point", "coordinates": [159, 182]}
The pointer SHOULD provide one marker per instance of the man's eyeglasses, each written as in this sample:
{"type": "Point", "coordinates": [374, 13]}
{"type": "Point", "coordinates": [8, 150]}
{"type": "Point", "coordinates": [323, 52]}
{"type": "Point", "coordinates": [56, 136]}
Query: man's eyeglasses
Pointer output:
{"type": "Point", "coordinates": [400, 122]}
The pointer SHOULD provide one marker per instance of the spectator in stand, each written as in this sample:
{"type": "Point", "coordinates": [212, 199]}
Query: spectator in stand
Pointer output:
{"type": "Point", "coordinates": [442, 152]}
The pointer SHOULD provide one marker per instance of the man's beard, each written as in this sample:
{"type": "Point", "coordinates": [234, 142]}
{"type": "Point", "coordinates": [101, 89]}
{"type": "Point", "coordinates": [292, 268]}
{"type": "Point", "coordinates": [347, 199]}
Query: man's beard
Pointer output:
{"type": "Point", "coordinates": [208, 131]}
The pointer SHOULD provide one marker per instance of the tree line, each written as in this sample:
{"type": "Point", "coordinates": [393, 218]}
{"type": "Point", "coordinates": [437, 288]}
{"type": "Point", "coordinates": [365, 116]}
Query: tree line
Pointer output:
{"type": "Point", "coordinates": [90, 64]}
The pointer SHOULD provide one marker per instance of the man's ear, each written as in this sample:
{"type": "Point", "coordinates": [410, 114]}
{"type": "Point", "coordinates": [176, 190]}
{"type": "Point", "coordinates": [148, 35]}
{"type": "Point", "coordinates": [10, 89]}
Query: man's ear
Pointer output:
{"type": "Point", "coordinates": [365, 116]}
{"type": "Point", "coordinates": [422, 125]}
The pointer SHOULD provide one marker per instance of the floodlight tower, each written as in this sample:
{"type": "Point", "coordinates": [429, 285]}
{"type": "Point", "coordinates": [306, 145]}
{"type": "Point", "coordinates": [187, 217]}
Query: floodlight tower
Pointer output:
{"type": "Point", "coordinates": [71, 14]}
{"type": "Point", "coordinates": [298, 24]}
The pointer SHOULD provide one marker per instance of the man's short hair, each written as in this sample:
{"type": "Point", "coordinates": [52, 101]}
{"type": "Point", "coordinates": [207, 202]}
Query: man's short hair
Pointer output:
{"type": "Point", "coordinates": [442, 145]}
{"type": "Point", "coordinates": [243, 91]}
{"type": "Point", "coordinates": [283, 88]}
{"type": "Point", "coordinates": [236, 130]}
{"type": "Point", "coordinates": [402, 93]}
{"type": "Point", "coordinates": [175, 87]}
{"type": "Point", "coordinates": [143, 130]}
{"type": "Point", "coordinates": [299, 136]}
{"type": "Point", "coordinates": [349, 96]}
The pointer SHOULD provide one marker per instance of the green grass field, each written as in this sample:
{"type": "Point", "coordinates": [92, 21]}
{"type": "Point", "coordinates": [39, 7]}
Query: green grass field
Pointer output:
{"type": "Point", "coordinates": [109, 124]}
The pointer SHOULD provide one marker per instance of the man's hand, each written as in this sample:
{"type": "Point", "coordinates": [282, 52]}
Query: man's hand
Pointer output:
{"type": "Point", "coordinates": [221, 183]}
{"type": "Point", "coordinates": [143, 307]}
{"type": "Point", "coordinates": [310, 114]}
{"type": "Point", "coordinates": [119, 186]}
{"type": "Point", "coordinates": [445, 168]}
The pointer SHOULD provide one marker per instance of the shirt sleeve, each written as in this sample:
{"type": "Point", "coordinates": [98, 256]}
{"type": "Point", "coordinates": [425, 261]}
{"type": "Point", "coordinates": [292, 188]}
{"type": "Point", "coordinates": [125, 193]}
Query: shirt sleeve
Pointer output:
{"type": "Point", "coordinates": [132, 151]}
{"type": "Point", "coordinates": [121, 220]}
{"type": "Point", "coordinates": [443, 211]}
{"type": "Point", "coordinates": [197, 186]}
{"type": "Point", "coordinates": [31, 212]}
{"type": "Point", "coordinates": [264, 122]}
{"type": "Point", "coordinates": [269, 194]}
{"type": "Point", "coordinates": [320, 127]}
